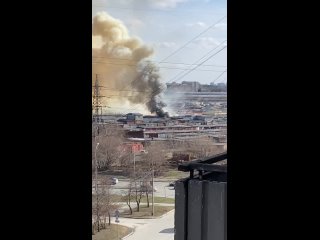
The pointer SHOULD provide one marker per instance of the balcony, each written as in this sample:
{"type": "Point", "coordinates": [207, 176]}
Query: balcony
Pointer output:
{"type": "Point", "coordinates": [201, 200]}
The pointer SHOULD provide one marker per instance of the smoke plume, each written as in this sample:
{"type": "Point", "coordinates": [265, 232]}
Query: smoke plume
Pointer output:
{"type": "Point", "coordinates": [121, 63]}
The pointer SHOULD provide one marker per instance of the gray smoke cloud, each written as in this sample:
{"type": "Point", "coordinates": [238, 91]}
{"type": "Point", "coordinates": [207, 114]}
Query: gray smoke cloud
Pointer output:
{"type": "Point", "coordinates": [122, 63]}
{"type": "Point", "coordinates": [148, 79]}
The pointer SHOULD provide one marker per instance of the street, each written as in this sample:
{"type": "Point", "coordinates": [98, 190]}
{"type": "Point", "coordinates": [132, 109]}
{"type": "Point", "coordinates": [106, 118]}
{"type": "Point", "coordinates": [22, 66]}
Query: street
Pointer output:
{"type": "Point", "coordinates": [163, 190]}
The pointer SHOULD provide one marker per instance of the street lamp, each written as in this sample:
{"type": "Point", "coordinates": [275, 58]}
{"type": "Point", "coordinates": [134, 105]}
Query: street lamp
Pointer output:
{"type": "Point", "coordinates": [96, 168]}
{"type": "Point", "coordinates": [117, 221]}
{"type": "Point", "coordinates": [134, 169]}
{"type": "Point", "coordinates": [152, 188]}
{"type": "Point", "coordinates": [134, 164]}
{"type": "Point", "coordinates": [96, 183]}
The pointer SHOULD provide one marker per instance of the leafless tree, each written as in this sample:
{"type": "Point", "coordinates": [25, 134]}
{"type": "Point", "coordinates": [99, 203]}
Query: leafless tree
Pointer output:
{"type": "Point", "coordinates": [126, 162]}
{"type": "Point", "coordinates": [139, 175]}
{"type": "Point", "coordinates": [102, 204]}
{"type": "Point", "coordinates": [156, 157]}
{"type": "Point", "coordinates": [97, 211]}
{"type": "Point", "coordinates": [129, 196]}
{"type": "Point", "coordinates": [147, 188]}
{"type": "Point", "coordinates": [201, 148]}
{"type": "Point", "coordinates": [138, 195]}
{"type": "Point", "coordinates": [111, 149]}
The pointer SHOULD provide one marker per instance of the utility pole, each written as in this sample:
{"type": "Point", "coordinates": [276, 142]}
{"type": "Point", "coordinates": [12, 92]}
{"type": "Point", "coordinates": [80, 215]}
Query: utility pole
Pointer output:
{"type": "Point", "coordinates": [96, 185]}
{"type": "Point", "coordinates": [117, 221]}
{"type": "Point", "coordinates": [97, 118]}
{"type": "Point", "coordinates": [152, 190]}
{"type": "Point", "coordinates": [96, 168]}
{"type": "Point", "coordinates": [134, 163]}
{"type": "Point", "coordinates": [96, 102]}
{"type": "Point", "coordinates": [134, 170]}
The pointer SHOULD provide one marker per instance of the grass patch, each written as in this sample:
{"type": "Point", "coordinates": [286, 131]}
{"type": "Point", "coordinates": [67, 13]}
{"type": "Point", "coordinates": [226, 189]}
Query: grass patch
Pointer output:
{"type": "Point", "coordinates": [111, 233]}
{"type": "Point", "coordinates": [119, 198]}
{"type": "Point", "coordinates": [145, 212]}
{"type": "Point", "coordinates": [157, 200]}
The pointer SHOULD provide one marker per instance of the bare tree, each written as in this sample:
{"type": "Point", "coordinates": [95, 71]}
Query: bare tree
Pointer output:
{"type": "Point", "coordinates": [96, 210]}
{"type": "Point", "coordinates": [129, 196]}
{"type": "Point", "coordinates": [202, 147]}
{"type": "Point", "coordinates": [147, 188]}
{"type": "Point", "coordinates": [109, 205]}
{"type": "Point", "coordinates": [102, 204]}
{"type": "Point", "coordinates": [126, 162]}
{"type": "Point", "coordinates": [111, 150]}
{"type": "Point", "coordinates": [138, 195]}
{"type": "Point", "coordinates": [138, 187]}
{"type": "Point", "coordinates": [156, 157]}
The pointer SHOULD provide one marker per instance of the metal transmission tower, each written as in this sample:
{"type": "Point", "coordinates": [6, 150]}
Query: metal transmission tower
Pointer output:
{"type": "Point", "coordinates": [96, 102]}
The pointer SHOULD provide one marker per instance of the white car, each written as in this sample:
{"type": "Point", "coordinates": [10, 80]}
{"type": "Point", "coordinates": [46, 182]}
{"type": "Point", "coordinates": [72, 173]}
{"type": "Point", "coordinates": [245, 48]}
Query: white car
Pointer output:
{"type": "Point", "coordinates": [114, 180]}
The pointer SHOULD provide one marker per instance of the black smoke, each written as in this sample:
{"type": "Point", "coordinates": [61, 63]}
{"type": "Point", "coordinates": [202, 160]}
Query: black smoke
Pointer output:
{"type": "Point", "coordinates": [148, 88]}
{"type": "Point", "coordinates": [157, 107]}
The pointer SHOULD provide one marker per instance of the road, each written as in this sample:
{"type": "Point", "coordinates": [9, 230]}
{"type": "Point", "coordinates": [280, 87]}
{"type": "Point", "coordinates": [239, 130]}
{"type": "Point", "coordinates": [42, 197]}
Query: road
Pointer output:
{"type": "Point", "coordinates": [151, 229]}
{"type": "Point", "coordinates": [163, 190]}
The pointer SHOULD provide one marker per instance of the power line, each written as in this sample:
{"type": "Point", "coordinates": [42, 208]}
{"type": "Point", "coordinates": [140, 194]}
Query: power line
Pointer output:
{"type": "Point", "coordinates": [121, 90]}
{"type": "Point", "coordinates": [220, 75]}
{"type": "Point", "coordinates": [176, 63]}
{"type": "Point", "coordinates": [196, 62]}
{"type": "Point", "coordinates": [190, 64]}
{"type": "Point", "coordinates": [191, 70]}
{"type": "Point", "coordinates": [196, 11]}
{"type": "Point", "coordinates": [177, 50]}
{"type": "Point", "coordinates": [135, 65]}
{"type": "Point", "coordinates": [207, 29]}
{"type": "Point", "coordinates": [183, 46]}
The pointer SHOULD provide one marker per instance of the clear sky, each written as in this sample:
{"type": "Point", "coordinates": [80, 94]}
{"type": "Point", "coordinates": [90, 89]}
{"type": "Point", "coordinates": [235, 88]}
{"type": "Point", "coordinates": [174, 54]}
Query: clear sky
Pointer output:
{"type": "Point", "coordinates": [167, 25]}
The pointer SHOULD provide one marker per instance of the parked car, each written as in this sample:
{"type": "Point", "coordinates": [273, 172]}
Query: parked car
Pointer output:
{"type": "Point", "coordinates": [114, 180]}
{"type": "Point", "coordinates": [171, 184]}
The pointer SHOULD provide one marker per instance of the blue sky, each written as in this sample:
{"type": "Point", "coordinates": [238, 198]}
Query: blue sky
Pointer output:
{"type": "Point", "coordinates": [166, 25]}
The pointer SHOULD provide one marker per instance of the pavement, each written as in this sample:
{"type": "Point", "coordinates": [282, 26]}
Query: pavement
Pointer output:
{"type": "Point", "coordinates": [161, 228]}
{"type": "Point", "coordinates": [152, 229]}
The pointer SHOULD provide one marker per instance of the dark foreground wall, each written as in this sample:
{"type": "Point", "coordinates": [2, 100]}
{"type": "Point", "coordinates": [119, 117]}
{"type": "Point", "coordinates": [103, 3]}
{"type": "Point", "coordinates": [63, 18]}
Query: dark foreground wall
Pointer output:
{"type": "Point", "coordinates": [201, 208]}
